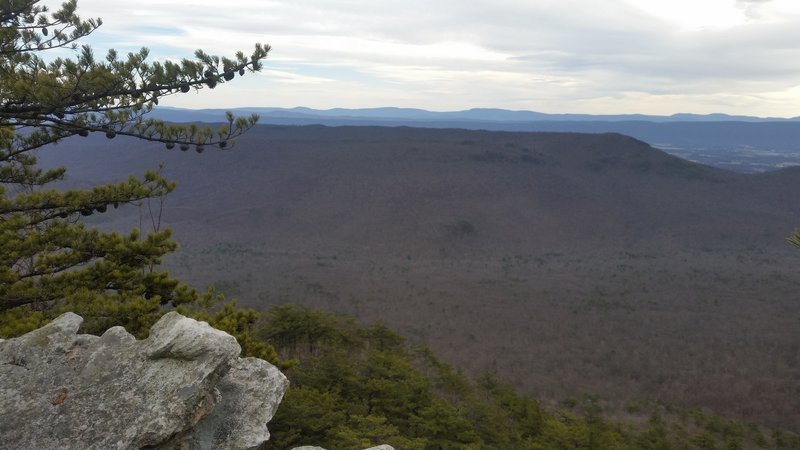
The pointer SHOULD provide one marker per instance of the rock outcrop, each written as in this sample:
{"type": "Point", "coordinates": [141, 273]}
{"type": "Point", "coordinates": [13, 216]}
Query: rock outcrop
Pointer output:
{"type": "Point", "coordinates": [182, 387]}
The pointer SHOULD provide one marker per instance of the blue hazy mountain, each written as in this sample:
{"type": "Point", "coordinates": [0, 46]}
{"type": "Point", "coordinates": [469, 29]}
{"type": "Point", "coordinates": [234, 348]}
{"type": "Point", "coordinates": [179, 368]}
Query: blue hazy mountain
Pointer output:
{"type": "Point", "coordinates": [475, 114]}
{"type": "Point", "coordinates": [739, 143]}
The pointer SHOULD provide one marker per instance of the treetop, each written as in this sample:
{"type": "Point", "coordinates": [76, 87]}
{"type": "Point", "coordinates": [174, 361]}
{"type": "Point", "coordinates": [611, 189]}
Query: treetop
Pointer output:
{"type": "Point", "coordinates": [54, 98]}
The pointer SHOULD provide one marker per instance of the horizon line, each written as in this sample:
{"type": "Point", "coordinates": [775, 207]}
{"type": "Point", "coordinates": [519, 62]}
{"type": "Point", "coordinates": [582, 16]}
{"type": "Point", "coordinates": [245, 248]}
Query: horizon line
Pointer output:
{"type": "Point", "coordinates": [375, 108]}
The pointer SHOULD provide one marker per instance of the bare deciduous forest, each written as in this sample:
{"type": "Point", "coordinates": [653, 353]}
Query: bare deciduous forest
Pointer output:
{"type": "Point", "coordinates": [563, 263]}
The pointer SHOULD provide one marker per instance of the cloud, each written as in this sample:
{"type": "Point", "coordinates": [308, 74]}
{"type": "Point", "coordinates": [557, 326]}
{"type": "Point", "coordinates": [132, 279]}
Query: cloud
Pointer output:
{"type": "Point", "coordinates": [628, 56]}
{"type": "Point", "coordinates": [751, 8]}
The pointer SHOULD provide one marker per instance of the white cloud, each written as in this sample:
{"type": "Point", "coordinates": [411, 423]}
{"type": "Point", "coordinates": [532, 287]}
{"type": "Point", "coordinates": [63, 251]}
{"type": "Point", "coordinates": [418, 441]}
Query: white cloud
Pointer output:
{"type": "Point", "coordinates": [733, 56]}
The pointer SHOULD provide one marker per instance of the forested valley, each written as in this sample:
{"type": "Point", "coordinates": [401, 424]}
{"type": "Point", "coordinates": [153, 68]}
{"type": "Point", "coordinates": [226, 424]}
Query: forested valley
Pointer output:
{"type": "Point", "coordinates": [568, 266]}
{"type": "Point", "coordinates": [424, 288]}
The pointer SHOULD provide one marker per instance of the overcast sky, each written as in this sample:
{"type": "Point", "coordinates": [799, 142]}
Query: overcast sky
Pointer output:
{"type": "Point", "coordinates": [556, 56]}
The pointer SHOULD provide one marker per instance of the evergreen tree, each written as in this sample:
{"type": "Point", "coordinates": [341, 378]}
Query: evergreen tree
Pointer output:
{"type": "Point", "coordinates": [795, 238]}
{"type": "Point", "coordinates": [49, 260]}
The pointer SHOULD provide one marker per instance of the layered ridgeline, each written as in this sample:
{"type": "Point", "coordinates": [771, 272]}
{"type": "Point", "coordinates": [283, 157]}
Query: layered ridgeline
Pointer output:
{"type": "Point", "coordinates": [739, 143]}
{"type": "Point", "coordinates": [566, 264]}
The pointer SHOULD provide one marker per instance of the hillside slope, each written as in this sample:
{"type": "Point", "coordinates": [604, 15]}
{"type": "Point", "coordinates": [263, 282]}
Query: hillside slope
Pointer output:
{"type": "Point", "coordinates": [565, 263]}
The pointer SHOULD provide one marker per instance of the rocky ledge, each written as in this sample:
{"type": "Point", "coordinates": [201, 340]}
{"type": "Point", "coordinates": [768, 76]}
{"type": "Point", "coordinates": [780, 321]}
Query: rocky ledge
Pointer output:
{"type": "Point", "coordinates": [182, 387]}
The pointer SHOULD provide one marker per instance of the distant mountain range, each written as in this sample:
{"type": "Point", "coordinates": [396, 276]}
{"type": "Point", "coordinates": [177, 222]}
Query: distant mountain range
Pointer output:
{"type": "Point", "coordinates": [739, 143]}
{"type": "Point", "coordinates": [391, 114]}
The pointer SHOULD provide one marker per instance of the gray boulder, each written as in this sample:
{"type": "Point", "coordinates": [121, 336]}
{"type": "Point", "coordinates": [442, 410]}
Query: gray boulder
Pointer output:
{"type": "Point", "coordinates": [248, 402]}
{"type": "Point", "coordinates": [183, 386]}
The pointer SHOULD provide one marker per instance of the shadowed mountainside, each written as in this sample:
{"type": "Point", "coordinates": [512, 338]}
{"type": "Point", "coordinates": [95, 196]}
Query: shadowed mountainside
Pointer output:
{"type": "Point", "coordinates": [565, 263]}
{"type": "Point", "coordinates": [738, 143]}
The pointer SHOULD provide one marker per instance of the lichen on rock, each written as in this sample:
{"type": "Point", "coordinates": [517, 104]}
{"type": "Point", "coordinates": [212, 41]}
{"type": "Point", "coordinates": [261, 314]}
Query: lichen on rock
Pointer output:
{"type": "Point", "coordinates": [182, 386]}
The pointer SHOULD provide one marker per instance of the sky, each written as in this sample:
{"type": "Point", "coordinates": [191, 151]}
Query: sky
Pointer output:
{"type": "Point", "coordinates": [553, 56]}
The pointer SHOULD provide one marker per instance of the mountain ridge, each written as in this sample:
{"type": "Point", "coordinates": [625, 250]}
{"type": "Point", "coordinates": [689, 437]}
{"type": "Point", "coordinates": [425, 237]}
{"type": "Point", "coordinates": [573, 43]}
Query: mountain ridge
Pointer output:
{"type": "Point", "coordinates": [562, 262]}
{"type": "Point", "coordinates": [476, 114]}
{"type": "Point", "coordinates": [746, 145]}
